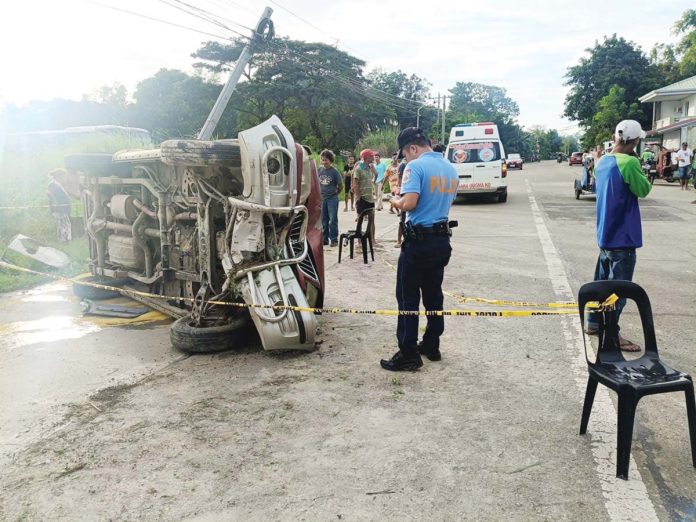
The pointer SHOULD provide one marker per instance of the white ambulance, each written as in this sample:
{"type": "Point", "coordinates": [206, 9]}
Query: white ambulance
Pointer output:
{"type": "Point", "coordinates": [478, 156]}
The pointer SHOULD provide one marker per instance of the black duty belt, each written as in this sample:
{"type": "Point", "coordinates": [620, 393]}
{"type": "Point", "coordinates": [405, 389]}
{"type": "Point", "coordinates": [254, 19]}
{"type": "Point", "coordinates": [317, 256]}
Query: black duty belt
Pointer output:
{"type": "Point", "coordinates": [418, 232]}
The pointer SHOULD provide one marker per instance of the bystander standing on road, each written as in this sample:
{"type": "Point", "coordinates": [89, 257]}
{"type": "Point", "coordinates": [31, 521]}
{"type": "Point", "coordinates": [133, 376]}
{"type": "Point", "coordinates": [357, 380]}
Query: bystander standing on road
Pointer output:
{"type": "Point", "coordinates": [347, 175]}
{"type": "Point", "coordinates": [684, 158]}
{"type": "Point", "coordinates": [59, 202]}
{"type": "Point", "coordinates": [380, 169]}
{"type": "Point", "coordinates": [392, 176]}
{"type": "Point", "coordinates": [619, 182]}
{"type": "Point", "coordinates": [364, 186]}
{"type": "Point", "coordinates": [427, 192]}
{"type": "Point", "coordinates": [331, 184]}
{"type": "Point", "coordinates": [587, 170]}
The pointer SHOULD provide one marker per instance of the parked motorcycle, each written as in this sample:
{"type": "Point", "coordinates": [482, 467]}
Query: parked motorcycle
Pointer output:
{"type": "Point", "coordinates": [650, 169]}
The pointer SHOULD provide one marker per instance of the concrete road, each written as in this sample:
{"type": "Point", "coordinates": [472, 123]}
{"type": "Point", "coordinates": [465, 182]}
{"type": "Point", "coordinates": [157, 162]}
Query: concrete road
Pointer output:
{"type": "Point", "coordinates": [103, 423]}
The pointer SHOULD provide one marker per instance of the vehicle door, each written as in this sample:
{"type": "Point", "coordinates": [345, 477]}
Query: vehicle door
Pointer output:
{"type": "Point", "coordinates": [478, 164]}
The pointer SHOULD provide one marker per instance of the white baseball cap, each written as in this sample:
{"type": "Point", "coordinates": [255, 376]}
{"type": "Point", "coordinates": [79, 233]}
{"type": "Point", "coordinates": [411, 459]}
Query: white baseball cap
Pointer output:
{"type": "Point", "coordinates": [628, 130]}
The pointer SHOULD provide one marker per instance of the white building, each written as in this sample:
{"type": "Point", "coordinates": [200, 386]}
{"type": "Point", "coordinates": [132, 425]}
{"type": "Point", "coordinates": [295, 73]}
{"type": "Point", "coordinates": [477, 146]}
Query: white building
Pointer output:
{"type": "Point", "coordinates": [674, 113]}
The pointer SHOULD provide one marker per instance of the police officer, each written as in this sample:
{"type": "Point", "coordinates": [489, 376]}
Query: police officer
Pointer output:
{"type": "Point", "coordinates": [428, 189]}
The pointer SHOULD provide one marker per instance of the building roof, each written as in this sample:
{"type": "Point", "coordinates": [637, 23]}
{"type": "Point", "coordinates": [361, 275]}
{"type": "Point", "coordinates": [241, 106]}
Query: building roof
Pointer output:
{"type": "Point", "coordinates": [676, 91]}
{"type": "Point", "coordinates": [691, 122]}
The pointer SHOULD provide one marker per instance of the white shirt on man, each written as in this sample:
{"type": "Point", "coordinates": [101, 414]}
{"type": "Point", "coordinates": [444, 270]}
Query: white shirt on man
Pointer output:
{"type": "Point", "coordinates": [684, 157]}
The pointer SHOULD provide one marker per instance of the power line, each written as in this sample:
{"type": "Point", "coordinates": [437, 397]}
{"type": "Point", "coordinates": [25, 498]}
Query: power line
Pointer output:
{"type": "Point", "coordinates": [315, 27]}
{"type": "Point", "coordinates": [147, 17]}
{"type": "Point", "coordinates": [377, 94]}
{"type": "Point", "coordinates": [204, 15]}
{"type": "Point", "coordinates": [350, 82]}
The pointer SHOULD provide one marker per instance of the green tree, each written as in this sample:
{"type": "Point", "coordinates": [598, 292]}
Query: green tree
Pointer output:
{"type": "Point", "coordinates": [318, 91]}
{"type": "Point", "coordinates": [115, 95]}
{"type": "Point", "coordinates": [547, 141]}
{"type": "Point", "coordinates": [614, 61]}
{"type": "Point", "coordinates": [686, 47]}
{"type": "Point", "coordinates": [570, 144]}
{"type": "Point", "coordinates": [611, 109]}
{"type": "Point", "coordinates": [478, 102]}
{"type": "Point", "coordinates": [475, 102]}
{"type": "Point", "coordinates": [664, 58]}
{"type": "Point", "coordinates": [173, 104]}
{"type": "Point", "coordinates": [413, 92]}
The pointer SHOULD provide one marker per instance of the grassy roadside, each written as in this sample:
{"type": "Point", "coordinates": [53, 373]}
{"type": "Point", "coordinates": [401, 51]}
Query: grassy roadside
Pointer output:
{"type": "Point", "coordinates": [11, 280]}
{"type": "Point", "coordinates": [25, 161]}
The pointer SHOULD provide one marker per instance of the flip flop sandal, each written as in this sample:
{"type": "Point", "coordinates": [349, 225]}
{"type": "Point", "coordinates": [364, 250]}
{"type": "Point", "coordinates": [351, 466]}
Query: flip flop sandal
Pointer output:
{"type": "Point", "coordinates": [628, 346]}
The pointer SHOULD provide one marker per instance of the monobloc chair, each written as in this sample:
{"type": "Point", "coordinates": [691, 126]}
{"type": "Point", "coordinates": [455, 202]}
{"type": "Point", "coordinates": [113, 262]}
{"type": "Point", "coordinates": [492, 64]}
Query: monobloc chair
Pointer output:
{"type": "Point", "coordinates": [360, 234]}
{"type": "Point", "coordinates": [630, 379]}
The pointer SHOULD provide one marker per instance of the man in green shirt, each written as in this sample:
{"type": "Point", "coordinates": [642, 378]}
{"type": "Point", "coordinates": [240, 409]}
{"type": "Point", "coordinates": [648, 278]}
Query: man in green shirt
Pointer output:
{"type": "Point", "coordinates": [363, 186]}
{"type": "Point", "coordinates": [647, 155]}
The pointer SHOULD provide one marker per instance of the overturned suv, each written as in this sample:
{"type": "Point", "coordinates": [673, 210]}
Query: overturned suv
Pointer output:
{"type": "Point", "coordinates": [202, 229]}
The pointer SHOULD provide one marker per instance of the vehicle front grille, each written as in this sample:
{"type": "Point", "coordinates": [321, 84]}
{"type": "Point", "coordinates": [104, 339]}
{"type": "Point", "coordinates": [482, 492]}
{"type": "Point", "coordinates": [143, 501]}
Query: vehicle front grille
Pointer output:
{"type": "Point", "coordinates": [296, 243]}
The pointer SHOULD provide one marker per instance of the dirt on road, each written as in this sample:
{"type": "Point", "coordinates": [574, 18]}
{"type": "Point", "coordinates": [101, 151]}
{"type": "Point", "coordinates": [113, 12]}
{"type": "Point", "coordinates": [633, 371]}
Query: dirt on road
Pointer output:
{"type": "Point", "coordinates": [326, 435]}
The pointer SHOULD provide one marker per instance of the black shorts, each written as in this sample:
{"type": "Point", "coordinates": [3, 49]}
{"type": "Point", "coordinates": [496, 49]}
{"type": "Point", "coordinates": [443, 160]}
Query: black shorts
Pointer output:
{"type": "Point", "coordinates": [347, 182]}
{"type": "Point", "coordinates": [361, 205]}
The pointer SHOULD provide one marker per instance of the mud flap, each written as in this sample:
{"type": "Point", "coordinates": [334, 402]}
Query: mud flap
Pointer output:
{"type": "Point", "coordinates": [279, 329]}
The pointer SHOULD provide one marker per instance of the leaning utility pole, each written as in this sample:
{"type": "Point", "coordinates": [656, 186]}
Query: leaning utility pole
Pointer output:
{"type": "Point", "coordinates": [437, 121]}
{"type": "Point", "coordinates": [442, 140]}
{"type": "Point", "coordinates": [263, 31]}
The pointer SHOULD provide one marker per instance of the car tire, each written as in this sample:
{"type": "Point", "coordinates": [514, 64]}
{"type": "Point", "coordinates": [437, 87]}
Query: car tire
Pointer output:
{"type": "Point", "coordinates": [97, 294]}
{"type": "Point", "coordinates": [200, 153]}
{"type": "Point", "coordinates": [502, 197]}
{"type": "Point", "coordinates": [209, 339]}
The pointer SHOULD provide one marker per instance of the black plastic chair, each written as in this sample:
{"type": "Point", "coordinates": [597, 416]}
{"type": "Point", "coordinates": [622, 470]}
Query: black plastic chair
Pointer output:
{"type": "Point", "coordinates": [630, 379]}
{"type": "Point", "coordinates": [360, 234]}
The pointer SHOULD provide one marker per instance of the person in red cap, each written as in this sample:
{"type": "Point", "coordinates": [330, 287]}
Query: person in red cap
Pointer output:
{"type": "Point", "coordinates": [363, 186]}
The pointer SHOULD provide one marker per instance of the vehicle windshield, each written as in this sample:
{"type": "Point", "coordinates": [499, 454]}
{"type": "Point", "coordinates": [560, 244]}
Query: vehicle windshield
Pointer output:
{"type": "Point", "coordinates": [513, 156]}
{"type": "Point", "coordinates": [484, 151]}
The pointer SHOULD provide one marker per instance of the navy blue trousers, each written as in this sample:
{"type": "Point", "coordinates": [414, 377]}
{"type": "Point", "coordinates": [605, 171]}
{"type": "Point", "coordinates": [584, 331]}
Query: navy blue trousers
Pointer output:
{"type": "Point", "coordinates": [613, 264]}
{"type": "Point", "coordinates": [420, 272]}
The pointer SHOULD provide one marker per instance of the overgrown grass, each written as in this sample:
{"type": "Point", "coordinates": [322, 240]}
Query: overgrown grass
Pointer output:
{"type": "Point", "coordinates": [11, 280]}
{"type": "Point", "coordinates": [25, 162]}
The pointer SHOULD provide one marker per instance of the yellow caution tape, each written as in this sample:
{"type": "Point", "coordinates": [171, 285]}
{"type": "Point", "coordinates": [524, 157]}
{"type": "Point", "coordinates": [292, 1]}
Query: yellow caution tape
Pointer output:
{"type": "Point", "coordinates": [500, 302]}
{"type": "Point", "coordinates": [355, 311]}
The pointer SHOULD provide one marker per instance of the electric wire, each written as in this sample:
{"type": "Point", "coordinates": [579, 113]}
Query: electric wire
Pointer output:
{"type": "Point", "coordinates": [155, 19]}
{"type": "Point", "coordinates": [355, 85]}
{"type": "Point", "coordinates": [405, 103]}
{"type": "Point", "coordinates": [204, 15]}
{"type": "Point", "coordinates": [315, 27]}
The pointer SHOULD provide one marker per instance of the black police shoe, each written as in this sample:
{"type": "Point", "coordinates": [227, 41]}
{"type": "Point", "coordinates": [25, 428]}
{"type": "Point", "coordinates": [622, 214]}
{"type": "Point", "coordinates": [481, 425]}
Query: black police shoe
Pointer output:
{"type": "Point", "coordinates": [433, 354]}
{"type": "Point", "coordinates": [401, 363]}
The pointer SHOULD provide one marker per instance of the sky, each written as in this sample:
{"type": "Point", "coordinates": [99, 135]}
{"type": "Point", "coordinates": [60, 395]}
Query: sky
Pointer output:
{"type": "Point", "coordinates": [69, 48]}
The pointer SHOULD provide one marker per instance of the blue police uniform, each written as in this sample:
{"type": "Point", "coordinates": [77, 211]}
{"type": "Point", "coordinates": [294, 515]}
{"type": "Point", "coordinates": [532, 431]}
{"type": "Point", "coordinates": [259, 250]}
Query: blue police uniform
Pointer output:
{"type": "Point", "coordinates": [422, 261]}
